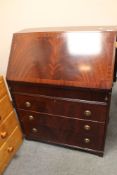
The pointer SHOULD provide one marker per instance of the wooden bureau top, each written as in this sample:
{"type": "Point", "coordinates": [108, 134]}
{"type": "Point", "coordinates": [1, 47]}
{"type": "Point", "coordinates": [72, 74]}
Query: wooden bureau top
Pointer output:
{"type": "Point", "coordinates": [70, 28]}
{"type": "Point", "coordinates": [79, 58]}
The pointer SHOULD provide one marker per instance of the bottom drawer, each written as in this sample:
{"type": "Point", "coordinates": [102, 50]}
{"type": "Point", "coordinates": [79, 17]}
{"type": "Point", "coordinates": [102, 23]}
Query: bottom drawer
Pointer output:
{"type": "Point", "coordinates": [62, 130]}
{"type": "Point", "coordinates": [8, 149]}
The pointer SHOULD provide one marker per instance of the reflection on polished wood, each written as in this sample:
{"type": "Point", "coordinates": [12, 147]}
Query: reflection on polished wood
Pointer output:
{"type": "Point", "coordinates": [71, 58]}
{"type": "Point", "coordinates": [61, 82]}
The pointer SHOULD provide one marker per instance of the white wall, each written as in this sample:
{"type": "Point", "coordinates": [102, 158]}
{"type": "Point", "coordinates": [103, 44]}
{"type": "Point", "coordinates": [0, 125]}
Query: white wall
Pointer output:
{"type": "Point", "coordinates": [19, 14]}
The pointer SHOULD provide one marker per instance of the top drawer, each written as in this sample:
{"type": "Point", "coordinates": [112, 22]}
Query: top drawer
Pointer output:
{"type": "Point", "coordinates": [96, 111]}
{"type": "Point", "coordinates": [59, 91]}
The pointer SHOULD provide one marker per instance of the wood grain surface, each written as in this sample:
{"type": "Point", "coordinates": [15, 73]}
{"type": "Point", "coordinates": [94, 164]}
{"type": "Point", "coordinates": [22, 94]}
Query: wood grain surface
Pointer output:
{"type": "Point", "coordinates": [62, 130]}
{"type": "Point", "coordinates": [5, 108]}
{"type": "Point", "coordinates": [7, 127]}
{"type": "Point", "coordinates": [13, 143]}
{"type": "Point", "coordinates": [76, 58]}
{"type": "Point", "coordinates": [56, 75]}
{"type": "Point", "coordinates": [2, 88]}
{"type": "Point", "coordinates": [10, 132]}
{"type": "Point", "coordinates": [61, 106]}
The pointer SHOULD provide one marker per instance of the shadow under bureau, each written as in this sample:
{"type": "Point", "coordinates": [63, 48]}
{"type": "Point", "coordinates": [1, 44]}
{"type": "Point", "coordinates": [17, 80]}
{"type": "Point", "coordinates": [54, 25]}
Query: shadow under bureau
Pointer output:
{"type": "Point", "coordinates": [61, 80]}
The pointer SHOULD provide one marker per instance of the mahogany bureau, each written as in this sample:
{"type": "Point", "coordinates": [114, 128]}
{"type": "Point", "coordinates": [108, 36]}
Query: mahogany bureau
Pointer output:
{"type": "Point", "coordinates": [61, 80]}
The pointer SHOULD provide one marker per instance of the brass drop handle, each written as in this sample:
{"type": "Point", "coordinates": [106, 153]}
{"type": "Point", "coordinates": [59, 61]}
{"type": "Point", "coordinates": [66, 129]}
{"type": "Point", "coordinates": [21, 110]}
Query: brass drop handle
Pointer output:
{"type": "Point", "coordinates": [87, 113]}
{"type": "Point", "coordinates": [34, 130]}
{"type": "Point", "coordinates": [10, 149]}
{"type": "Point", "coordinates": [31, 117]}
{"type": "Point", "coordinates": [87, 140]}
{"type": "Point", "coordinates": [87, 127]}
{"type": "Point", "coordinates": [28, 104]}
{"type": "Point", "coordinates": [3, 134]}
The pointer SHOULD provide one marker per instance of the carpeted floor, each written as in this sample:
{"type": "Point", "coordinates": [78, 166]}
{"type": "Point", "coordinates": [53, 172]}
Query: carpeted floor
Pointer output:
{"type": "Point", "coordinates": [36, 158]}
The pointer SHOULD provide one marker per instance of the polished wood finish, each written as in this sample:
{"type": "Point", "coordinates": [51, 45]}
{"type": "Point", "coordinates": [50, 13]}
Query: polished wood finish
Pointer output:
{"type": "Point", "coordinates": [73, 108]}
{"type": "Point", "coordinates": [10, 132]}
{"type": "Point", "coordinates": [5, 130]}
{"type": "Point", "coordinates": [62, 130]}
{"type": "Point", "coordinates": [60, 91]}
{"type": "Point", "coordinates": [80, 58]}
{"type": "Point", "coordinates": [6, 107]}
{"type": "Point", "coordinates": [61, 82]}
{"type": "Point", "coordinates": [10, 148]}
{"type": "Point", "coordinates": [2, 88]}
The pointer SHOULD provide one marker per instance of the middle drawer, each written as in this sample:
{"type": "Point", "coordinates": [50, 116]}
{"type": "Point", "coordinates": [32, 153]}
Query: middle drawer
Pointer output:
{"type": "Point", "coordinates": [96, 111]}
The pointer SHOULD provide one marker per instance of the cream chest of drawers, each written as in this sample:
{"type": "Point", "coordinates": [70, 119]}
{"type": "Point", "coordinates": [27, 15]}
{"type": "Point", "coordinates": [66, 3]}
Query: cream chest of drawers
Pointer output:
{"type": "Point", "coordinates": [10, 133]}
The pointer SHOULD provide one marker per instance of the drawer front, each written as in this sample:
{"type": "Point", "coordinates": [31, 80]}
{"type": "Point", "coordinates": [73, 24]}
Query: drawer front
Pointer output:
{"type": "Point", "coordinates": [55, 91]}
{"type": "Point", "coordinates": [5, 108]}
{"type": "Point", "coordinates": [2, 88]}
{"type": "Point", "coordinates": [62, 130]}
{"type": "Point", "coordinates": [8, 150]}
{"type": "Point", "coordinates": [7, 127]}
{"type": "Point", "coordinates": [64, 107]}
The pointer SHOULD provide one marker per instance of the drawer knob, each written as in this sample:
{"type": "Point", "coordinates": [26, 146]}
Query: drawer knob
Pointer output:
{"type": "Point", "coordinates": [10, 149]}
{"type": "Point", "coordinates": [87, 140]}
{"type": "Point", "coordinates": [3, 135]}
{"type": "Point", "coordinates": [28, 104]}
{"type": "Point", "coordinates": [87, 113]}
{"type": "Point", "coordinates": [31, 117]}
{"type": "Point", "coordinates": [34, 130]}
{"type": "Point", "coordinates": [87, 127]}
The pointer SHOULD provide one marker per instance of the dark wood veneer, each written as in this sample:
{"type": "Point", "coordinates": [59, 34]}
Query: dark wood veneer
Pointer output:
{"type": "Point", "coordinates": [60, 91]}
{"type": "Point", "coordinates": [61, 83]}
{"type": "Point", "coordinates": [79, 59]}
{"type": "Point", "coordinates": [62, 106]}
{"type": "Point", "coordinates": [63, 129]}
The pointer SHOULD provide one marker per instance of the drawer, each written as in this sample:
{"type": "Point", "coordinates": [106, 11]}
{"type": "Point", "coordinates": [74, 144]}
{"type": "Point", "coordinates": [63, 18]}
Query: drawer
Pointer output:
{"type": "Point", "coordinates": [8, 149]}
{"type": "Point", "coordinates": [62, 130]}
{"type": "Point", "coordinates": [7, 127]}
{"type": "Point", "coordinates": [5, 108]}
{"type": "Point", "coordinates": [58, 91]}
{"type": "Point", "coordinates": [96, 111]}
{"type": "Point", "coordinates": [2, 88]}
